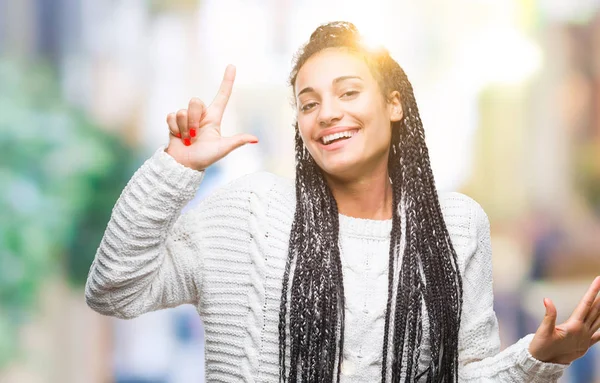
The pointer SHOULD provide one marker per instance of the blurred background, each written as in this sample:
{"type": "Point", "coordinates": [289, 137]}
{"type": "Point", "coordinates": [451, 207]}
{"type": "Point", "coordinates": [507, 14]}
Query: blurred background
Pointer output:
{"type": "Point", "coordinates": [509, 92]}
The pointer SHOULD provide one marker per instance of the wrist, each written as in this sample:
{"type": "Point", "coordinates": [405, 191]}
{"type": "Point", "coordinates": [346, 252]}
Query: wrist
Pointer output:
{"type": "Point", "coordinates": [182, 156]}
{"type": "Point", "coordinates": [545, 355]}
{"type": "Point", "coordinates": [536, 354]}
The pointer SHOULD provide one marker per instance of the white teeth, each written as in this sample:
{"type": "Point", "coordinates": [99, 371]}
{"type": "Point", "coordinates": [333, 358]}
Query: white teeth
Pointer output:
{"type": "Point", "coordinates": [327, 139]}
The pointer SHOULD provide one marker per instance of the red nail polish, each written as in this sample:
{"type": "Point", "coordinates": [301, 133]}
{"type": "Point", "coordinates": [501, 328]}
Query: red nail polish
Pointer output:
{"type": "Point", "coordinates": [254, 142]}
{"type": "Point", "coordinates": [193, 132]}
{"type": "Point", "coordinates": [178, 135]}
{"type": "Point", "coordinates": [187, 141]}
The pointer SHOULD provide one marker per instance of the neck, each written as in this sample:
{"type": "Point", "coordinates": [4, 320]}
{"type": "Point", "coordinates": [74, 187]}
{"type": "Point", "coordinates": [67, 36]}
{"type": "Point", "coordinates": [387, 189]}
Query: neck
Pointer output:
{"type": "Point", "coordinates": [368, 197]}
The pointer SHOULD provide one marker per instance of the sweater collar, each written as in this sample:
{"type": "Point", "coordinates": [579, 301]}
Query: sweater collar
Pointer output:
{"type": "Point", "coordinates": [361, 227]}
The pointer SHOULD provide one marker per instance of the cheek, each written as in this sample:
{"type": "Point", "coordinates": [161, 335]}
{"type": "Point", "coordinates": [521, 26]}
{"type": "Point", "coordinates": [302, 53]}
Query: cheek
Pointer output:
{"type": "Point", "coordinates": [368, 110]}
{"type": "Point", "coordinates": [305, 128]}
{"type": "Point", "coordinates": [375, 116]}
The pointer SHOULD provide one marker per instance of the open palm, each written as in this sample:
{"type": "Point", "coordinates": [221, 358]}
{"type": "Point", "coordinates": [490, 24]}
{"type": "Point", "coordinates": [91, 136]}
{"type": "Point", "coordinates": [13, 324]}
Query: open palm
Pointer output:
{"type": "Point", "coordinates": [569, 340]}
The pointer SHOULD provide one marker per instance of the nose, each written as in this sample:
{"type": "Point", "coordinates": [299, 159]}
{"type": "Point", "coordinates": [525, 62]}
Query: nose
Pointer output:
{"type": "Point", "coordinates": [330, 112]}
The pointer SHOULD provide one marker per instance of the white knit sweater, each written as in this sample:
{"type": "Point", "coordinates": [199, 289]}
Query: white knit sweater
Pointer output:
{"type": "Point", "coordinates": [227, 257]}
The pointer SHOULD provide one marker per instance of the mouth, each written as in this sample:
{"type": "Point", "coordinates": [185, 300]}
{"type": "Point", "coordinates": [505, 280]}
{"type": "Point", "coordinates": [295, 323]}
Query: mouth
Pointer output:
{"type": "Point", "coordinates": [330, 139]}
{"type": "Point", "coordinates": [336, 141]}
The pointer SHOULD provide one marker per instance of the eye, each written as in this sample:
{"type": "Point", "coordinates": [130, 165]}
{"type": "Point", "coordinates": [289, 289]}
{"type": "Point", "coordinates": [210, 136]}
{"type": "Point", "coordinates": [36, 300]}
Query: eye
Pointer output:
{"type": "Point", "coordinates": [308, 106]}
{"type": "Point", "coordinates": [350, 93]}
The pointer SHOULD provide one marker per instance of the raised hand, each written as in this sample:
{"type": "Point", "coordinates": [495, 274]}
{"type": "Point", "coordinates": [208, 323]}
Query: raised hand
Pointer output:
{"type": "Point", "coordinates": [570, 340]}
{"type": "Point", "coordinates": [195, 137]}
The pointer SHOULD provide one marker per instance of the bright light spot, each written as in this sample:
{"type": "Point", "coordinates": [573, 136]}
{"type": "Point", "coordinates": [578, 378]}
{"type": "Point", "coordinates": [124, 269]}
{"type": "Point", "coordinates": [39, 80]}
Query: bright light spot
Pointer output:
{"type": "Point", "coordinates": [371, 43]}
{"type": "Point", "coordinates": [502, 56]}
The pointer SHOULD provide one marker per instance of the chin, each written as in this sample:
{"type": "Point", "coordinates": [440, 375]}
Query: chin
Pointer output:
{"type": "Point", "coordinates": [342, 169]}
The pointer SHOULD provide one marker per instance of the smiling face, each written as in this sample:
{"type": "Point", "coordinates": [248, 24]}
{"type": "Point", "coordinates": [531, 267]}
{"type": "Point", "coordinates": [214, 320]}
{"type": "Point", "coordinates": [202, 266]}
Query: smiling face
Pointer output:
{"type": "Point", "coordinates": [343, 117]}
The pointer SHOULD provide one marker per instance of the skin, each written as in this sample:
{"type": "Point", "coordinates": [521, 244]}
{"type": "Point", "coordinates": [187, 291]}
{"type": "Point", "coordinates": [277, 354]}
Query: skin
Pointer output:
{"type": "Point", "coordinates": [571, 339]}
{"type": "Point", "coordinates": [195, 138]}
{"type": "Point", "coordinates": [335, 88]}
{"type": "Point", "coordinates": [357, 173]}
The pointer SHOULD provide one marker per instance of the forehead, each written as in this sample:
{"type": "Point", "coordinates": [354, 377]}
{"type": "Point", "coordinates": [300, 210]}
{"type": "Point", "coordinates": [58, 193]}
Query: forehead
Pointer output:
{"type": "Point", "coordinates": [323, 67]}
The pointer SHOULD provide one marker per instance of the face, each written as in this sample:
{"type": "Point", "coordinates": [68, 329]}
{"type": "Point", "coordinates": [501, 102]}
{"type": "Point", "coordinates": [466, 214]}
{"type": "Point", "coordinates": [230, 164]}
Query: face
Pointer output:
{"type": "Point", "coordinates": [343, 117]}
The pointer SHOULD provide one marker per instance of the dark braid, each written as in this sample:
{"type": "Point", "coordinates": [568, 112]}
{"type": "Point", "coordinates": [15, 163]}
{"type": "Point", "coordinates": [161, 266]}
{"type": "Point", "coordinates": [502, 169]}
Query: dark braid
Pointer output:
{"type": "Point", "coordinates": [426, 274]}
{"type": "Point", "coordinates": [317, 292]}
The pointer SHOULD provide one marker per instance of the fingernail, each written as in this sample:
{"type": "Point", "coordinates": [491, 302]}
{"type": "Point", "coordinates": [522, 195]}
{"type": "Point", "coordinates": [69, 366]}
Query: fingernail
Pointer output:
{"type": "Point", "coordinates": [254, 142]}
{"type": "Point", "coordinates": [545, 304]}
{"type": "Point", "coordinates": [187, 141]}
{"type": "Point", "coordinates": [178, 135]}
{"type": "Point", "coordinates": [193, 132]}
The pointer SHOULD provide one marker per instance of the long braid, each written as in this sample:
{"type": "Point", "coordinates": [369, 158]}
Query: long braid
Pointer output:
{"type": "Point", "coordinates": [424, 276]}
{"type": "Point", "coordinates": [317, 293]}
{"type": "Point", "coordinates": [393, 252]}
{"type": "Point", "coordinates": [427, 242]}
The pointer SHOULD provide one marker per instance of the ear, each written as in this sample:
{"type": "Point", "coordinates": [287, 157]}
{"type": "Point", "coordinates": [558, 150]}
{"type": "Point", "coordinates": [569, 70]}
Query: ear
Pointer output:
{"type": "Point", "coordinates": [395, 106]}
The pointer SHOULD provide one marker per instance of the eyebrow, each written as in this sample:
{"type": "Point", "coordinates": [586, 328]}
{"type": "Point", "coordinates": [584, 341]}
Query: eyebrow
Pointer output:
{"type": "Point", "coordinates": [334, 82]}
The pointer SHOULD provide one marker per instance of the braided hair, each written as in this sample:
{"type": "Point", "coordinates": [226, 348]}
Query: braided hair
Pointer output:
{"type": "Point", "coordinates": [424, 278]}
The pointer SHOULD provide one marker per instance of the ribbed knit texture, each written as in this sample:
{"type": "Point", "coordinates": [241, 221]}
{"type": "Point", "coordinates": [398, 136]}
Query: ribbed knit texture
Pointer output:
{"type": "Point", "coordinates": [227, 256]}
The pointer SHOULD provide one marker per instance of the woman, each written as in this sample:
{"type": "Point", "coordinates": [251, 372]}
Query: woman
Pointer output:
{"type": "Point", "coordinates": [293, 282]}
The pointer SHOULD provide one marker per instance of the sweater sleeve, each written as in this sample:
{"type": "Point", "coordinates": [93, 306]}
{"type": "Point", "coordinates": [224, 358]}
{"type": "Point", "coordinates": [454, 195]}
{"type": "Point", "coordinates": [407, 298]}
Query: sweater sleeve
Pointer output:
{"type": "Point", "coordinates": [480, 358]}
{"type": "Point", "coordinates": [146, 260]}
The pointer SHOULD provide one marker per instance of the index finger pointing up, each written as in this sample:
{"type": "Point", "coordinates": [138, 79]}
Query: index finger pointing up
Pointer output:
{"type": "Point", "coordinates": [220, 102]}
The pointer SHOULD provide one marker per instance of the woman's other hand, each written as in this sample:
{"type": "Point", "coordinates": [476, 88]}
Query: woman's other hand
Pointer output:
{"type": "Point", "coordinates": [569, 340]}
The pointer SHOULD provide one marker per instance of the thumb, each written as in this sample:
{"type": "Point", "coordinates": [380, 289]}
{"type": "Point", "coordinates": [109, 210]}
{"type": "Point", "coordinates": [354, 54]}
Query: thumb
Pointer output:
{"type": "Point", "coordinates": [231, 143]}
{"type": "Point", "coordinates": [549, 321]}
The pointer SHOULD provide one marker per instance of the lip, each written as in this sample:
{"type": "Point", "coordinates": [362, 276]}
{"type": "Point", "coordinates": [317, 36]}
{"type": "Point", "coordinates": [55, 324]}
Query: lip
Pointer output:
{"type": "Point", "coordinates": [334, 130]}
{"type": "Point", "coordinates": [338, 144]}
